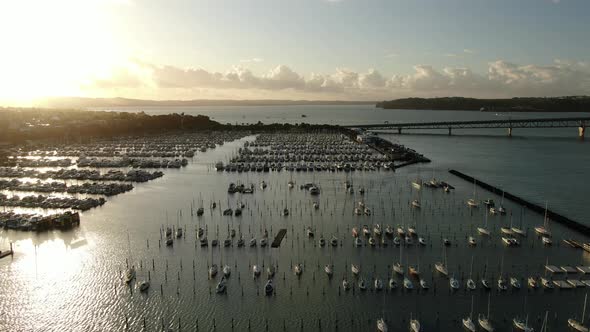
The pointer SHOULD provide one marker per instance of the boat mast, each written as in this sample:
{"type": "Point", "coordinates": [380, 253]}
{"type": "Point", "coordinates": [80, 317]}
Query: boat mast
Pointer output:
{"type": "Point", "coordinates": [489, 300]}
{"type": "Point", "coordinates": [584, 310]}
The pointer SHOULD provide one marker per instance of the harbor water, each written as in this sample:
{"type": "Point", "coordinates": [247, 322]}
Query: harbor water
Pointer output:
{"type": "Point", "coordinates": [71, 280]}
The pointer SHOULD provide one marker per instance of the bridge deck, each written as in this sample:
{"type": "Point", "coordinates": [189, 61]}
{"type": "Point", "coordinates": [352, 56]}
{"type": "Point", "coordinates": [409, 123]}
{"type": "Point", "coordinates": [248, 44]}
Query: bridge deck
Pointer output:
{"type": "Point", "coordinates": [509, 123]}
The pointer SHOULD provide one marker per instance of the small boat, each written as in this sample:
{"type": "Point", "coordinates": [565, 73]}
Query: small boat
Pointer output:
{"type": "Point", "coordinates": [381, 325]}
{"type": "Point", "coordinates": [422, 241]}
{"type": "Point", "coordinates": [226, 271]}
{"type": "Point", "coordinates": [220, 288]}
{"type": "Point", "coordinates": [263, 185]}
{"type": "Point", "coordinates": [471, 284]}
{"type": "Point", "coordinates": [285, 212]}
{"type": "Point", "coordinates": [214, 242]}
{"type": "Point", "coordinates": [415, 326]}
{"type": "Point", "coordinates": [355, 269]}
{"type": "Point", "coordinates": [472, 241]}
{"type": "Point", "coordinates": [408, 240]}
{"type": "Point", "coordinates": [506, 230]}
{"type": "Point", "coordinates": [401, 231]}
{"type": "Point", "coordinates": [298, 269]}
{"type": "Point", "coordinates": [472, 203]}
{"type": "Point", "coordinates": [316, 205]}
{"type": "Point", "coordinates": [388, 230]}
{"type": "Point", "coordinates": [355, 232]}
{"type": "Point", "coordinates": [270, 271]}
{"type": "Point", "coordinates": [416, 204]}
{"type": "Point", "coordinates": [468, 322]}
{"type": "Point", "coordinates": [483, 231]}
{"type": "Point", "coordinates": [493, 210]}
{"type": "Point", "coordinates": [414, 271]}
{"type": "Point", "coordinates": [377, 230]}
{"type": "Point", "coordinates": [362, 284]}
{"type": "Point", "coordinates": [546, 241]}
{"type": "Point", "coordinates": [129, 275]}
{"type": "Point", "coordinates": [489, 202]}
{"type": "Point", "coordinates": [532, 282]}
{"type": "Point", "coordinates": [392, 283]}
{"type": "Point", "coordinates": [263, 242]}
{"type": "Point", "coordinates": [521, 324]}
{"type": "Point", "coordinates": [358, 242]}
{"type": "Point", "coordinates": [329, 270]}
{"type": "Point", "coordinates": [200, 211]}
{"type": "Point", "coordinates": [240, 242]}
{"type": "Point", "coordinates": [144, 286]}
{"type": "Point", "coordinates": [408, 284]}
{"type": "Point", "coordinates": [204, 242]}
{"type": "Point", "coordinates": [178, 232]}
{"type": "Point", "coordinates": [454, 283]}
{"type": "Point", "coordinates": [398, 268]}
{"type": "Point", "coordinates": [378, 284]}
{"type": "Point", "coordinates": [502, 284]}
{"type": "Point", "coordinates": [397, 241]}
{"type": "Point", "coordinates": [200, 232]}
{"type": "Point", "coordinates": [169, 241]}
{"type": "Point", "coordinates": [345, 284]}
{"type": "Point", "coordinates": [366, 231]}
{"type": "Point", "coordinates": [372, 241]}
{"type": "Point", "coordinates": [484, 321]}
{"type": "Point", "coordinates": [309, 232]}
{"type": "Point", "coordinates": [334, 241]}
{"type": "Point", "coordinates": [518, 231]}
{"type": "Point", "coordinates": [253, 242]}
{"type": "Point", "coordinates": [547, 283]}
{"type": "Point", "coordinates": [255, 270]}
{"type": "Point", "coordinates": [322, 241]}
{"type": "Point", "coordinates": [424, 284]}
{"type": "Point", "coordinates": [212, 271]}
{"type": "Point", "coordinates": [579, 325]}
{"type": "Point", "coordinates": [269, 287]}
{"type": "Point", "coordinates": [485, 283]}
{"type": "Point", "coordinates": [227, 242]}
{"type": "Point", "coordinates": [441, 268]}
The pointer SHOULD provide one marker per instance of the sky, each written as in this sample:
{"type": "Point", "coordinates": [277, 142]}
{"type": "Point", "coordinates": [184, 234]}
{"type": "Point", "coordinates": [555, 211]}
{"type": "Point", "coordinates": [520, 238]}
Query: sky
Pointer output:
{"type": "Point", "coordinates": [293, 49]}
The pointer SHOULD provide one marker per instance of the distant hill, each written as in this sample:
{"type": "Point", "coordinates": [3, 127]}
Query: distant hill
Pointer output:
{"type": "Point", "coordinates": [553, 104]}
{"type": "Point", "coordinates": [79, 102]}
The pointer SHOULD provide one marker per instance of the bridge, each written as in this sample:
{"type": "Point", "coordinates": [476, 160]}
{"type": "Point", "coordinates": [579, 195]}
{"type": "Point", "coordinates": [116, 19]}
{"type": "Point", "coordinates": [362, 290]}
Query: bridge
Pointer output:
{"type": "Point", "coordinates": [510, 124]}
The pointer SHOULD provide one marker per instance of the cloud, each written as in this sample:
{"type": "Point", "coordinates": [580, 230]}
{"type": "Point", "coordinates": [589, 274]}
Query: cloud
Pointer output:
{"type": "Point", "coordinates": [469, 51]}
{"type": "Point", "coordinates": [255, 60]}
{"type": "Point", "coordinates": [391, 55]}
{"type": "Point", "coordinates": [502, 79]}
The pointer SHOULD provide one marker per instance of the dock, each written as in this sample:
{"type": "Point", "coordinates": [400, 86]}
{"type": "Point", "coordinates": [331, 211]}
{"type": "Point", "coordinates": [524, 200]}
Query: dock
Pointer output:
{"type": "Point", "coordinates": [279, 238]}
{"type": "Point", "coordinates": [553, 269]}
{"type": "Point", "coordinates": [583, 269]}
{"type": "Point", "coordinates": [577, 226]}
{"type": "Point", "coordinates": [6, 253]}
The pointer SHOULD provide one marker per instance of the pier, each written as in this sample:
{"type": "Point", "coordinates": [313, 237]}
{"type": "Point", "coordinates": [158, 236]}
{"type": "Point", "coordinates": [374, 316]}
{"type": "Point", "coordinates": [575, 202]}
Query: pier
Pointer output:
{"type": "Point", "coordinates": [279, 238]}
{"type": "Point", "coordinates": [534, 207]}
{"type": "Point", "coordinates": [6, 253]}
{"type": "Point", "coordinates": [508, 124]}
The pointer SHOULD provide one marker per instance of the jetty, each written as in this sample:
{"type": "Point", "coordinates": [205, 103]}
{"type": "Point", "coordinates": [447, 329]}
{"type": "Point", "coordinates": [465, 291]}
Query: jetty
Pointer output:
{"type": "Point", "coordinates": [577, 226]}
{"type": "Point", "coordinates": [279, 238]}
{"type": "Point", "coordinates": [5, 253]}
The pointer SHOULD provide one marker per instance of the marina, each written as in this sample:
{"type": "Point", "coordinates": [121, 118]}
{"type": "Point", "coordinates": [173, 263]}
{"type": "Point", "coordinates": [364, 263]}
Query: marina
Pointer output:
{"type": "Point", "coordinates": [320, 237]}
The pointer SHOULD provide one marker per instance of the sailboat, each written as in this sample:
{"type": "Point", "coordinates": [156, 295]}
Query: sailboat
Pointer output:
{"type": "Point", "coordinates": [398, 267]}
{"type": "Point", "coordinates": [468, 322]}
{"type": "Point", "coordinates": [501, 208]}
{"type": "Point", "coordinates": [472, 202]}
{"type": "Point", "coordinates": [579, 325]}
{"type": "Point", "coordinates": [484, 230]}
{"type": "Point", "coordinates": [519, 230]}
{"type": "Point", "coordinates": [546, 282]}
{"type": "Point", "coordinates": [522, 324]}
{"type": "Point", "coordinates": [544, 230]}
{"type": "Point", "coordinates": [484, 321]}
{"type": "Point", "coordinates": [418, 182]}
{"type": "Point", "coordinates": [130, 271]}
{"type": "Point", "coordinates": [470, 282]}
{"type": "Point", "coordinates": [501, 282]}
{"type": "Point", "coordinates": [441, 266]}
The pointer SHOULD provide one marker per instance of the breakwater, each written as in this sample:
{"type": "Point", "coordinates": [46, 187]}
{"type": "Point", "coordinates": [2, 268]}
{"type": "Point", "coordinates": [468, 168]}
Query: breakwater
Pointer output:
{"type": "Point", "coordinates": [532, 206]}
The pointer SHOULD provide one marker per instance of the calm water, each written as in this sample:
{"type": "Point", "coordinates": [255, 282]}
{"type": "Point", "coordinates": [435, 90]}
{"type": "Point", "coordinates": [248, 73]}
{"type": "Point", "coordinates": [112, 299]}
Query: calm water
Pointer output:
{"type": "Point", "coordinates": [71, 280]}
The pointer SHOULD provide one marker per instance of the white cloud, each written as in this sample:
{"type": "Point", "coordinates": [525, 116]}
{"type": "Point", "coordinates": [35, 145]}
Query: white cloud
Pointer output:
{"type": "Point", "coordinates": [502, 79]}
{"type": "Point", "coordinates": [254, 60]}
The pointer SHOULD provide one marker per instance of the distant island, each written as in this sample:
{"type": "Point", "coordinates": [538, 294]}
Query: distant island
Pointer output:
{"type": "Point", "coordinates": [81, 102]}
{"type": "Point", "coordinates": [521, 104]}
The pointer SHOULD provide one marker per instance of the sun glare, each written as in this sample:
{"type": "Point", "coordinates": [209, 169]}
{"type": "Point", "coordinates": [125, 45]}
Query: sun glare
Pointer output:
{"type": "Point", "coordinates": [51, 47]}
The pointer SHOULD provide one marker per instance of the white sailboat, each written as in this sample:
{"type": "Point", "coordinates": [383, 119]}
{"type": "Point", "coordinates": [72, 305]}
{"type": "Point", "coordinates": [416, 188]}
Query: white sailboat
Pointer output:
{"type": "Point", "coordinates": [441, 266]}
{"type": "Point", "coordinates": [484, 230]}
{"type": "Point", "coordinates": [484, 321]}
{"type": "Point", "coordinates": [544, 229]}
{"type": "Point", "coordinates": [470, 282]}
{"type": "Point", "coordinates": [579, 325]}
{"type": "Point", "coordinates": [472, 202]}
{"type": "Point", "coordinates": [468, 322]}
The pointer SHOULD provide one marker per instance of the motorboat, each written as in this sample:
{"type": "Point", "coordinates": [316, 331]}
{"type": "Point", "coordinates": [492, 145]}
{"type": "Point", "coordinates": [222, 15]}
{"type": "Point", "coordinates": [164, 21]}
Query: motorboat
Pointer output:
{"type": "Point", "coordinates": [472, 241]}
{"type": "Point", "coordinates": [412, 231]}
{"type": "Point", "coordinates": [408, 284]}
{"type": "Point", "coordinates": [220, 288]}
{"type": "Point", "coordinates": [546, 241]}
{"type": "Point", "coordinates": [415, 326]}
{"type": "Point", "coordinates": [256, 270]}
{"type": "Point", "coordinates": [416, 204]}
{"type": "Point", "coordinates": [129, 275]}
{"type": "Point", "coordinates": [483, 231]}
{"type": "Point", "coordinates": [144, 286]}
{"type": "Point", "coordinates": [345, 284]}
{"type": "Point", "coordinates": [270, 271]}
{"type": "Point", "coordinates": [547, 283]}
{"type": "Point", "coordinates": [355, 269]}
{"type": "Point", "coordinates": [378, 284]}
{"type": "Point", "coordinates": [298, 269]}
{"type": "Point", "coordinates": [381, 325]}
{"type": "Point", "coordinates": [212, 271]}
{"type": "Point", "coordinates": [226, 271]}
{"type": "Point", "coordinates": [532, 282]}
{"type": "Point", "coordinates": [422, 241]}
{"type": "Point", "coordinates": [472, 203]}
{"type": "Point", "coordinates": [329, 270]}
{"type": "Point", "coordinates": [398, 268]}
{"type": "Point", "coordinates": [269, 287]}
{"type": "Point", "coordinates": [446, 242]}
